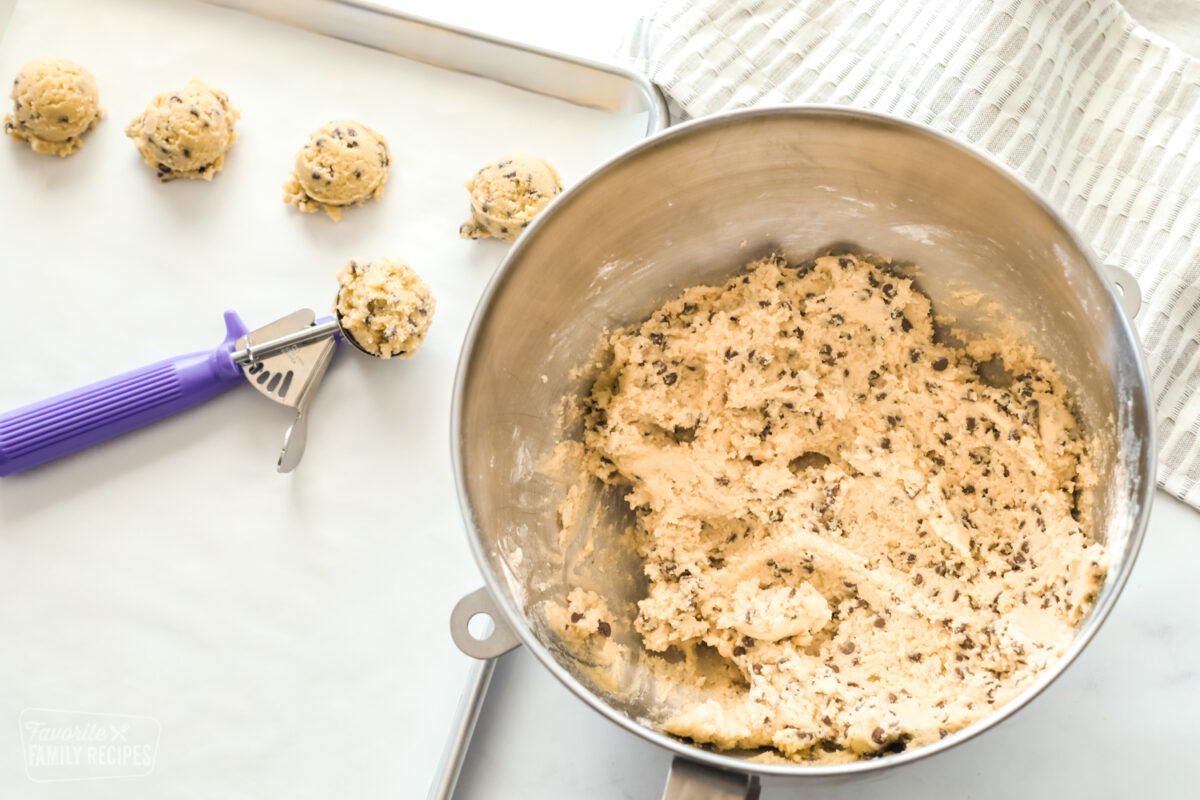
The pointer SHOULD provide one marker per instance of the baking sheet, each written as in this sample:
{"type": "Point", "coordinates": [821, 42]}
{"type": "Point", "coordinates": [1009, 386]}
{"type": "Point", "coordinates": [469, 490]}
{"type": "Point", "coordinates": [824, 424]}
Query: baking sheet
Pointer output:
{"type": "Point", "coordinates": [288, 632]}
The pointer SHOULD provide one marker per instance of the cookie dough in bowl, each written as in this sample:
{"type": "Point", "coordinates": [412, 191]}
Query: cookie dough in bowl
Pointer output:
{"type": "Point", "coordinates": [507, 194]}
{"type": "Point", "coordinates": [344, 164]}
{"type": "Point", "coordinates": [55, 102]}
{"type": "Point", "coordinates": [185, 134]}
{"type": "Point", "coordinates": [879, 541]}
{"type": "Point", "coordinates": [384, 306]}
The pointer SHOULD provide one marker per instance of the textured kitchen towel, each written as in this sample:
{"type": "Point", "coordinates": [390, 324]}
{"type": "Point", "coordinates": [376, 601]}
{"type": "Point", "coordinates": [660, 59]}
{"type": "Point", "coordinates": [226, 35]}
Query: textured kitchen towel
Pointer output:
{"type": "Point", "coordinates": [1101, 115]}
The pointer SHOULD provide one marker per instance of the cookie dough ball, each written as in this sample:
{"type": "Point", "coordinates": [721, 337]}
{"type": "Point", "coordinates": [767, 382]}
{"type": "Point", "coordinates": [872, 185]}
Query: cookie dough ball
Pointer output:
{"type": "Point", "coordinates": [186, 134]}
{"type": "Point", "coordinates": [344, 164]}
{"type": "Point", "coordinates": [507, 195]}
{"type": "Point", "coordinates": [55, 102]}
{"type": "Point", "coordinates": [385, 306]}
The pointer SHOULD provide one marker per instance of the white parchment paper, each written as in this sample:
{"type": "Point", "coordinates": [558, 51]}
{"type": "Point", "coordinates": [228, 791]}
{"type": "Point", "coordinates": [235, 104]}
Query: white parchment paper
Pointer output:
{"type": "Point", "coordinates": [289, 632]}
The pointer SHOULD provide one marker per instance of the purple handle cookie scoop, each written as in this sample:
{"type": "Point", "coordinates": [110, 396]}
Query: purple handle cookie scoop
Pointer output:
{"type": "Point", "coordinates": [61, 425]}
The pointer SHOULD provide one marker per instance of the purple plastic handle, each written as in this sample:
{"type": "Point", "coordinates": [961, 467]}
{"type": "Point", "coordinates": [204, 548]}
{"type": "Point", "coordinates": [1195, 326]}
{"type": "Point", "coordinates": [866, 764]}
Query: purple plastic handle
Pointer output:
{"type": "Point", "coordinates": [61, 425]}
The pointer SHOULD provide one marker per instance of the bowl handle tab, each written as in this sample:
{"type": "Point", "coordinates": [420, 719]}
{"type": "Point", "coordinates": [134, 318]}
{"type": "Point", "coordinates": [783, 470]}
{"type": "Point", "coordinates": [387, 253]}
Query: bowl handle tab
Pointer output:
{"type": "Point", "coordinates": [688, 780]}
{"type": "Point", "coordinates": [1128, 291]}
{"type": "Point", "coordinates": [494, 642]}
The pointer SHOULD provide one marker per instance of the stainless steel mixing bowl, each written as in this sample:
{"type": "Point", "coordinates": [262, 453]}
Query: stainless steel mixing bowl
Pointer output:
{"type": "Point", "coordinates": [692, 205]}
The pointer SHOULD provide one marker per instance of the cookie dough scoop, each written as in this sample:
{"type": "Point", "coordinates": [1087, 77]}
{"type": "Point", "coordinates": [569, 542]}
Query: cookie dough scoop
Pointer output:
{"type": "Point", "coordinates": [344, 164]}
{"type": "Point", "coordinates": [382, 308]}
{"type": "Point", "coordinates": [507, 194]}
{"type": "Point", "coordinates": [186, 134]}
{"type": "Point", "coordinates": [55, 102]}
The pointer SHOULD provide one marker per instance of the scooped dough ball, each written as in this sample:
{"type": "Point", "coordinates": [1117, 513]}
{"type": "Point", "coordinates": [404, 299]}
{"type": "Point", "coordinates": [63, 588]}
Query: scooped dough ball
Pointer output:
{"type": "Point", "coordinates": [344, 164]}
{"type": "Point", "coordinates": [185, 134]}
{"type": "Point", "coordinates": [385, 306]}
{"type": "Point", "coordinates": [507, 194]}
{"type": "Point", "coordinates": [55, 102]}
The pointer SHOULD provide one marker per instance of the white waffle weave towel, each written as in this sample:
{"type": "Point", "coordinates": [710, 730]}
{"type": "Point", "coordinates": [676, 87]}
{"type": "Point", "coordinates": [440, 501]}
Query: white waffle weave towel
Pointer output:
{"type": "Point", "coordinates": [1101, 115]}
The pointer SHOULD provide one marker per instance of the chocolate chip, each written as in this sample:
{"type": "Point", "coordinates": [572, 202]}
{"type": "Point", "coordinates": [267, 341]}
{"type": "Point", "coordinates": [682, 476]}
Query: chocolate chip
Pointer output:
{"type": "Point", "coordinates": [847, 648]}
{"type": "Point", "coordinates": [877, 735]}
{"type": "Point", "coordinates": [730, 353]}
{"type": "Point", "coordinates": [885, 443]}
{"type": "Point", "coordinates": [194, 112]}
{"type": "Point", "coordinates": [940, 364]}
{"type": "Point", "coordinates": [64, 119]}
{"type": "Point", "coordinates": [358, 173]}
{"type": "Point", "coordinates": [163, 168]}
{"type": "Point", "coordinates": [670, 378]}
{"type": "Point", "coordinates": [187, 153]}
{"type": "Point", "coordinates": [739, 651]}
{"type": "Point", "coordinates": [316, 176]}
{"type": "Point", "coordinates": [889, 290]}
{"type": "Point", "coordinates": [845, 263]}
{"type": "Point", "coordinates": [915, 657]}
{"type": "Point", "coordinates": [203, 168]}
{"type": "Point", "coordinates": [576, 617]}
{"type": "Point", "coordinates": [969, 489]}
{"type": "Point", "coordinates": [970, 424]}
{"type": "Point", "coordinates": [658, 339]}
{"type": "Point", "coordinates": [604, 629]}
{"type": "Point", "coordinates": [905, 325]}
{"type": "Point", "coordinates": [879, 622]}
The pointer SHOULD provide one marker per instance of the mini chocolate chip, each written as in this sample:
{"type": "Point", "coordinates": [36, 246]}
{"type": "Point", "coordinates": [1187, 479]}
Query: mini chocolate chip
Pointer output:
{"type": "Point", "coordinates": [968, 489]}
{"type": "Point", "coordinates": [203, 168]}
{"type": "Point", "coordinates": [905, 325]}
{"type": "Point", "coordinates": [670, 378]}
{"type": "Point", "coordinates": [970, 424]}
{"type": "Point", "coordinates": [316, 176]}
{"type": "Point", "coordinates": [877, 735]}
{"type": "Point", "coordinates": [358, 173]}
{"type": "Point", "coordinates": [352, 131]}
{"type": "Point", "coordinates": [940, 364]}
{"type": "Point", "coordinates": [889, 290]}
{"type": "Point", "coordinates": [194, 112]}
{"type": "Point", "coordinates": [604, 629]}
{"type": "Point", "coordinates": [885, 443]}
{"type": "Point", "coordinates": [187, 153]}
{"type": "Point", "coordinates": [163, 168]}
{"type": "Point", "coordinates": [739, 651]}
{"type": "Point", "coordinates": [879, 622]}
{"type": "Point", "coordinates": [576, 617]}
{"type": "Point", "coordinates": [503, 229]}
{"type": "Point", "coordinates": [845, 263]}
{"type": "Point", "coordinates": [847, 648]}
{"type": "Point", "coordinates": [64, 119]}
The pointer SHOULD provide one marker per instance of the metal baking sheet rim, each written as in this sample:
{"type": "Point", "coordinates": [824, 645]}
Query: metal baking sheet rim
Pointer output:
{"type": "Point", "coordinates": [576, 80]}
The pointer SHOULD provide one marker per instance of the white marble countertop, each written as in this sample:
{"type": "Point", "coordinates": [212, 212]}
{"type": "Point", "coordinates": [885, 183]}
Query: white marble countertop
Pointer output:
{"type": "Point", "coordinates": [1119, 722]}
